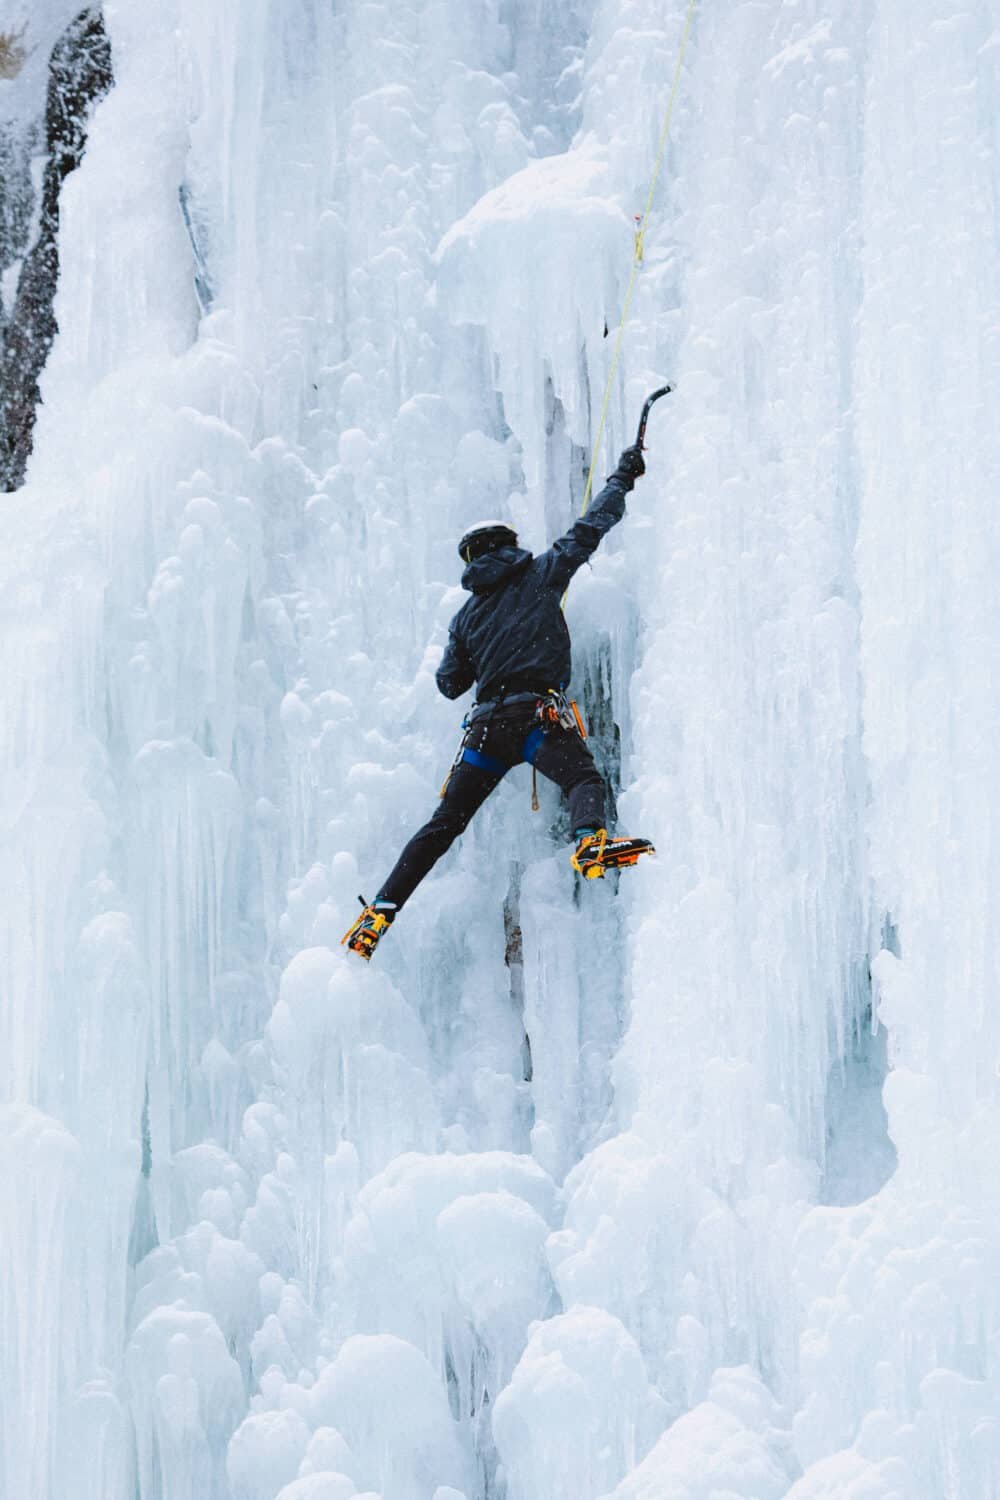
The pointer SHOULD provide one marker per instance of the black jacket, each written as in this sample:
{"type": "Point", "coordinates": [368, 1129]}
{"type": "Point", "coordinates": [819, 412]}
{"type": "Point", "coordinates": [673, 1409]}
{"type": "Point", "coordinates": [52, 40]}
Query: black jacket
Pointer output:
{"type": "Point", "coordinates": [512, 631]}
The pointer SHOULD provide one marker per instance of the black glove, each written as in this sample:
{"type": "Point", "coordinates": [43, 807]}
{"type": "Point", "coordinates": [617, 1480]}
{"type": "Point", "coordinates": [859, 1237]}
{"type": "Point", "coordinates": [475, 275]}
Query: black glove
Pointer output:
{"type": "Point", "coordinates": [630, 465]}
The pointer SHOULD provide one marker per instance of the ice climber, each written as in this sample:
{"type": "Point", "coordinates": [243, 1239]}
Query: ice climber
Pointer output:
{"type": "Point", "coordinates": [510, 639]}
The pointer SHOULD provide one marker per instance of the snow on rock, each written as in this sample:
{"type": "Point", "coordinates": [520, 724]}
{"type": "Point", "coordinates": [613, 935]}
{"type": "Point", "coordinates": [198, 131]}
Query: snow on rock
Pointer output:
{"type": "Point", "coordinates": [389, 1404]}
{"type": "Point", "coordinates": [899, 1299]}
{"type": "Point", "coordinates": [628, 1221]}
{"type": "Point", "coordinates": [265, 1450]}
{"type": "Point", "coordinates": [448, 1252]}
{"type": "Point", "coordinates": [186, 1398]}
{"type": "Point", "coordinates": [849, 1476]}
{"type": "Point", "coordinates": [319, 1487]}
{"type": "Point", "coordinates": [579, 1411]}
{"type": "Point", "coordinates": [491, 1248]}
{"type": "Point", "coordinates": [488, 267]}
{"type": "Point", "coordinates": [349, 1047]}
{"type": "Point", "coordinates": [732, 1443]}
{"type": "Point", "coordinates": [328, 1451]}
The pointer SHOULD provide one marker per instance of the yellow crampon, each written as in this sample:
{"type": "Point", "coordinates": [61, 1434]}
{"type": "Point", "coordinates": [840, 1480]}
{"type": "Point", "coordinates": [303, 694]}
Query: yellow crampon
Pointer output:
{"type": "Point", "coordinates": [596, 853]}
{"type": "Point", "coordinates": [588, 854]}
{"type": "Point", "coordinates": [362, 937]}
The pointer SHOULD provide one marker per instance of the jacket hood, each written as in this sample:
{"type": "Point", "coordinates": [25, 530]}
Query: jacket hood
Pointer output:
{"type": "Point", "coordinates": [494, 568]}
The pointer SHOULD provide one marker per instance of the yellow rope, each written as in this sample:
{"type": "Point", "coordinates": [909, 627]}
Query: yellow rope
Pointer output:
{"type": "Point", "coordinates": [637, 256]}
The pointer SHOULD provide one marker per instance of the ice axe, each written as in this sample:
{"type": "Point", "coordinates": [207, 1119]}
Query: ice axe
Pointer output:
{"type": "Point", "coordinates": [655, 396]}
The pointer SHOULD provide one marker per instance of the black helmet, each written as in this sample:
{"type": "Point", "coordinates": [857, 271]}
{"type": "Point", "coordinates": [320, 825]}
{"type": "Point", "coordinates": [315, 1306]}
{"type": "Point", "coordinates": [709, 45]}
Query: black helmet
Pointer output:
{"type": "Point", "coordinates": [485, 537]}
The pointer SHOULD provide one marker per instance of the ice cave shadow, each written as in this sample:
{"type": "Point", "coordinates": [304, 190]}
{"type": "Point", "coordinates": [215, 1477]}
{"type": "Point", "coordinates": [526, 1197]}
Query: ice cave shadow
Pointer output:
{"type": "Point", "coordinates": [860, 1156]}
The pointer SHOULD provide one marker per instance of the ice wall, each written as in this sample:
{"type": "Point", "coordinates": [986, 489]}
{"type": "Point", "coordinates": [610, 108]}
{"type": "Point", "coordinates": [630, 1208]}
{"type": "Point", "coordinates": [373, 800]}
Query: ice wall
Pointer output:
{"type": "Point", "coordinates": [912, 1396]}
{"type": "Point", "coordinates": [574, 1193]}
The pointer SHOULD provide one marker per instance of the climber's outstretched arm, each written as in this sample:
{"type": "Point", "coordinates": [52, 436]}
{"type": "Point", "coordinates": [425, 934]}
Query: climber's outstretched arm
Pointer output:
{"type": "Point", "coordinates": [583, 538]}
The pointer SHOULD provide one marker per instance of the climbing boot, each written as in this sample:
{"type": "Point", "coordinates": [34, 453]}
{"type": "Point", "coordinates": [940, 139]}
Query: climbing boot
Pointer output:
{"type": "Point", "coordinates": [597, 852]}
{"type": "Point", "coordinates": [375, 920]}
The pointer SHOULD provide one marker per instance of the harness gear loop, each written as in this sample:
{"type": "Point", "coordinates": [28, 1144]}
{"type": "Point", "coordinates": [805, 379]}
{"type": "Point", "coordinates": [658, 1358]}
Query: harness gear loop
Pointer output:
{"type": "Point", "coordinates": [459, 754]}
{"type": "Point", "coordinates": [554, 711]}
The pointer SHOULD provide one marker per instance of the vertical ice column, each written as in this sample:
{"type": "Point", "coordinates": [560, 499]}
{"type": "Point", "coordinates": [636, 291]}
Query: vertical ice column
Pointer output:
{"type": "Point", "coordinates": [929, 375]}
{"type": "Point", "coordinates": [39, 1295]}
{"type": "Point", "coordinates": [747, 694]}
{"type": "Point", "coordinates": [76, 956]}
{"type": "Point", "coordinates": [748, 935]}
{"type": "Point", "coordinates": [902, 1317]}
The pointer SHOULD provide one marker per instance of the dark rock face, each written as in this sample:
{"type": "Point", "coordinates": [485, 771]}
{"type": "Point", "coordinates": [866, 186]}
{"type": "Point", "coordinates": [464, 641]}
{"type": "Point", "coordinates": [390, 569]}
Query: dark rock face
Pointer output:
{"type": "Point", "coordinates": [15, 197]}
{"type": "Point", "coordinates": [79, 75]}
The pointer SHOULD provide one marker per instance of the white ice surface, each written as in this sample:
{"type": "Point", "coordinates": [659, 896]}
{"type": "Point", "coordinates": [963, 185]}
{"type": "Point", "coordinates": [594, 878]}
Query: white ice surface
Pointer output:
{"type": "Point", "coordinates": [282, 1227]}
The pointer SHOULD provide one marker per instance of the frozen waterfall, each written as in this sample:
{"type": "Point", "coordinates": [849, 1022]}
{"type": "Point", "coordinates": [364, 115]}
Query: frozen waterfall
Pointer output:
{"type": "Point", "coordinates": [678, 1191]}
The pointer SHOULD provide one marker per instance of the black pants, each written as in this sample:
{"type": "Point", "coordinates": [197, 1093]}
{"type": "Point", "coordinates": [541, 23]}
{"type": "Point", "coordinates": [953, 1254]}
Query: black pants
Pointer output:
{"type": "Point", "coordinates": [503, 739]}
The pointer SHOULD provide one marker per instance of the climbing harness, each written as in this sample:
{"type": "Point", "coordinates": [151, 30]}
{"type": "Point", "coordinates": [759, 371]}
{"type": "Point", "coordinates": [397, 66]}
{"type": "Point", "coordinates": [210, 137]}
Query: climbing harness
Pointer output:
{"type": "Point", "coordinates": [554, 712]}
{"type": "Point", "coordinates": [470, 754]}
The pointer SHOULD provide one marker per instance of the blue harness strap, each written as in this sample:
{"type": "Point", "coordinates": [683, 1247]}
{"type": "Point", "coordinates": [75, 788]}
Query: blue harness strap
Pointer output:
{"type": "Point", "coordinates": [485, 762]}
{"type": "Point", "coordinates": [533, 744]}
